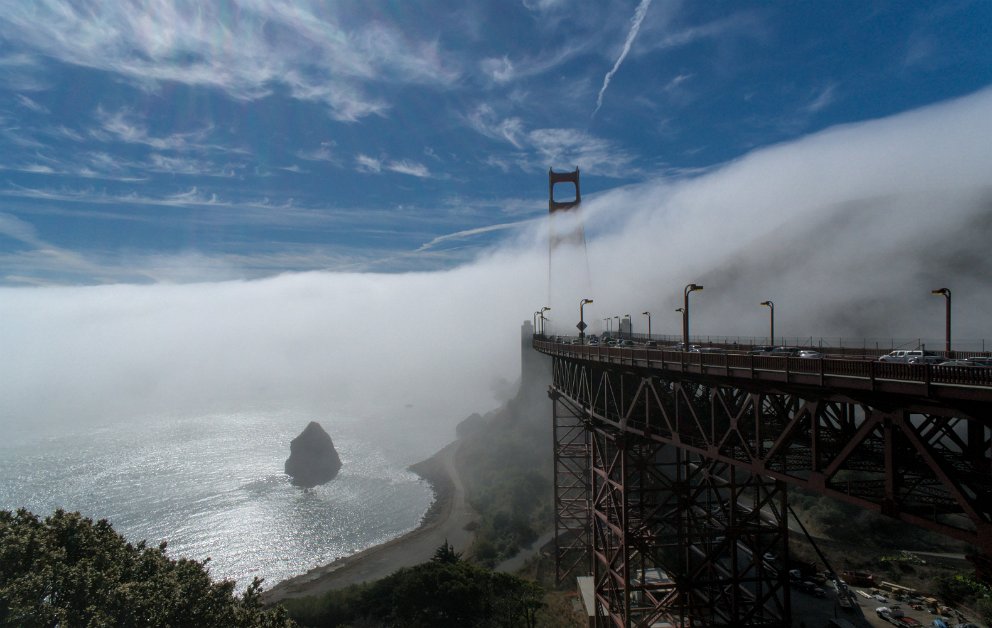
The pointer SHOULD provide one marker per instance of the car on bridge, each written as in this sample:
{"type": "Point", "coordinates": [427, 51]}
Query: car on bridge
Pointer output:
{"type": "Point", "coordinates": [905, 355]}
{"type": "Point", "coordinates": [788, 352]}
{"type": "Point", "coordinates": [980, 364]}
{"type": "Point", "coordinates": [926, 359]}
{"type": "Point", "coordinates": [809, 353]}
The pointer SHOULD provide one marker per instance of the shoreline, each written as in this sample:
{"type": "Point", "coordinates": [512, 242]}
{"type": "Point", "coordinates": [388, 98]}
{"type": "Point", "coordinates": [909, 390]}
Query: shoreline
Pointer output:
{"type": "Point", "coordinates": [445, 520]}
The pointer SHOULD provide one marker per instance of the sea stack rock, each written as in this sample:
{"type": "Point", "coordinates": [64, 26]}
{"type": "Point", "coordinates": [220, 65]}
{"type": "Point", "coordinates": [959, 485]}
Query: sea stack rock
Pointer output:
{"type": "Point", "coordinates": [312, 458]}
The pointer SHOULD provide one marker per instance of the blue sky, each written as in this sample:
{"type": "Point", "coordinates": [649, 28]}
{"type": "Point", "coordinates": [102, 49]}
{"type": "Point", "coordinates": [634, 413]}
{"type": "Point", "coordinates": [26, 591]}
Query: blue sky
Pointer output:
{"type": "Point", "coordinates": [186, 141]}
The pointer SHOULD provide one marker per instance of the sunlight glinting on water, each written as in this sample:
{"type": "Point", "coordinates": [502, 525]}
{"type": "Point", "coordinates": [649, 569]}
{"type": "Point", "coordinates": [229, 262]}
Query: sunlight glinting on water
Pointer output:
{"type": "Point", "coordinates": [214, 487]}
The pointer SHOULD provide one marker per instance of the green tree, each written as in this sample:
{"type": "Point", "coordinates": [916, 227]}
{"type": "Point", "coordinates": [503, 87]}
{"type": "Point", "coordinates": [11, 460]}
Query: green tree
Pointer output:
{"type": "Point", "coordinates": [446, 554]}
{"type": "Point", "coordinates": [67, 570]}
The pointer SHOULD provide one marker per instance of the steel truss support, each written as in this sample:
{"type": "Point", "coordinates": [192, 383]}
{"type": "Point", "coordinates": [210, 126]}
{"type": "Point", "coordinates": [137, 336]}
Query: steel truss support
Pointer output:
{"type": "Point", "coordinates": [572, 512]}
{"type": "Point", "coordinates": [684, 539]}
{"type": "Point", "coordinates": [688, 476]}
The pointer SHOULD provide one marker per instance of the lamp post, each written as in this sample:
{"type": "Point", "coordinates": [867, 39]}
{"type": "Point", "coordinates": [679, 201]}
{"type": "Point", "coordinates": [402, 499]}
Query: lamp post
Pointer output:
{"type": "Point", "coordinates": [582, 321]}
{"type": "Point", "coordinates": [947, 333]}
{"type": "Point", "coordinates": [648, 314]}
{"type": "Point", "coordinates": [685, 314]}
{"type": "Point", "coordinates": [543, 310]}
{"type": "Point", "coordinates": [771, 321]}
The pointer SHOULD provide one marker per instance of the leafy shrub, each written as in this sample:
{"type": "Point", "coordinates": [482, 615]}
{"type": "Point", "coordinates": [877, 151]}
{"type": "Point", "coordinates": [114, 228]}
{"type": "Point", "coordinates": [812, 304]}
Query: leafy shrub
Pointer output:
{"type": "Point", "coordinates": [67, 570]}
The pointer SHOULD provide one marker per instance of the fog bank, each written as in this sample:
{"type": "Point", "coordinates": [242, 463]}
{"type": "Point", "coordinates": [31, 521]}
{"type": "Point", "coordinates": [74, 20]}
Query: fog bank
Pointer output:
{"type": "Point", "coordinates": [847, 231]}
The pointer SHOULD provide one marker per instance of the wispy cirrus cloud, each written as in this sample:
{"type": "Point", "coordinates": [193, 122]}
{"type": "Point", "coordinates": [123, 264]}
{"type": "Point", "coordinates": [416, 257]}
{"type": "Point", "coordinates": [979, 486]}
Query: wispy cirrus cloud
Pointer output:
{"type": "Point", "coordinates": [39, 254]}
{"type": "Point", "coordinates": [635, 26]}
{"type": "Point", "coordinates": [373, 165]}
{"type": "Point", "coordinates": [412, 168]}
{"type": "Point", "coordinates": [485, 120]}
{"type": "Point", "coordinates": [121, 126]}
{"type": "Point", "coordinates": [324, 152]}
{"type": "Point", "coordinates": [540, 147]}
{"type": "Point", "coordinates": [246, 48]}
{"type": "Point", "coordinates": [470, 233]}
{"type": "Point", "coordinates": [504, 69]}
{"type": "Point", "coordinates": [823, 98]}
{"type": "Point", "coordinates": [223, 210]}
{"type": "Point", "coordinates": [567, 147]}
{"type": "Point", "coordinates": [27, 103]}
{"type": "Point", "coordinates": [365, 163]}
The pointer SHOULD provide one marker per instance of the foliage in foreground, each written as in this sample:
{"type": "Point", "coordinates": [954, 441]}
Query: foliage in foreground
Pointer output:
{"type": "Point", "coordinates": [67, 570]}
{"type": "Point", "coordinates": [445, 592]}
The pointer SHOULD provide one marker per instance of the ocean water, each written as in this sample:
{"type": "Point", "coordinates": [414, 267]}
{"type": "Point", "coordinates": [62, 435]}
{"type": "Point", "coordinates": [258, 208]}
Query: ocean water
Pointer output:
{"type": "Point", "coordinates": [213, 486]}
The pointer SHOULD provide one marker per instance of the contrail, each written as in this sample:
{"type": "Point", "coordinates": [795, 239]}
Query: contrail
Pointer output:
{"type": "Point", "coordinates": [635, 26]}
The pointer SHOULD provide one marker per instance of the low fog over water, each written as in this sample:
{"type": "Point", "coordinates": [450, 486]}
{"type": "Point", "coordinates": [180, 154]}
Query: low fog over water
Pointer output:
{"type": "Point", "coordinates": [847, 231]}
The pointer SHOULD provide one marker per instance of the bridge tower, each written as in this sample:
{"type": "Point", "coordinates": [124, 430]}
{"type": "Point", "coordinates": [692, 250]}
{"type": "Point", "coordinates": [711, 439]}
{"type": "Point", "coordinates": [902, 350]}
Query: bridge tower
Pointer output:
{"type": "Point", "coordinates": [567, 261]}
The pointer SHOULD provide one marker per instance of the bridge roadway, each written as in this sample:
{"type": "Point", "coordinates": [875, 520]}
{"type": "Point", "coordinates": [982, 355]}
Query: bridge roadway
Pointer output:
{"type": "Point", "coordinates": [927, 381]}
{"type": "Point", "coordinates": [912, 441]}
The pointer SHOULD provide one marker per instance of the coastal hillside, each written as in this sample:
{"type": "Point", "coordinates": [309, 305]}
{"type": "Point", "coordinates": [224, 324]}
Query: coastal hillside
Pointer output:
{"type": "Point", "coordinates": [506, 464]}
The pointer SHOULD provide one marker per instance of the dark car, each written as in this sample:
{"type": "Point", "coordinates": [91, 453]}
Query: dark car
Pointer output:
{"type": "Point", "coordinates": [926, 359]}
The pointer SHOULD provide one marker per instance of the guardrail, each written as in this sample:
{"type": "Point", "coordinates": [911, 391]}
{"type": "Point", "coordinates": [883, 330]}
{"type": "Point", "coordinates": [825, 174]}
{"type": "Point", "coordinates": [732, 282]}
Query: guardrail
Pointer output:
{"type": "Point", "coordinates": [867, 347]}
{"type": "Point", "coordinates": [921, 380]}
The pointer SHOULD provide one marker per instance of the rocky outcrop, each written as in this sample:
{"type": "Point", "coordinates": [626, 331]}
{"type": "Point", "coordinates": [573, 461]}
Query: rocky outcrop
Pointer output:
{"type": "Point", "coordinates": [312, 457]}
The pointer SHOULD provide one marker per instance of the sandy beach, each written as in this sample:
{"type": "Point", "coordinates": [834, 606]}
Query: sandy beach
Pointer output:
{"type": "Point", "coordinates": [447, 519]}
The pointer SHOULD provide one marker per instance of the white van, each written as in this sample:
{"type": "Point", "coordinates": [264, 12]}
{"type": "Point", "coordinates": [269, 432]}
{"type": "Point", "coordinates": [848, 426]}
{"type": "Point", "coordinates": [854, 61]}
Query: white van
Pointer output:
{"type": "Point", "coordinates": [907, 355]}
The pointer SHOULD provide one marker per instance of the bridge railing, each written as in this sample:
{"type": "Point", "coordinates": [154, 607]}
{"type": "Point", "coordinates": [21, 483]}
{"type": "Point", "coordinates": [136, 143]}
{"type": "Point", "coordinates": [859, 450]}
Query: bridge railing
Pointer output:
{"type": "Point", "coordinates": [868, 347]}
{"type": "Point", "coordinates": [856, 348]}
{"type": "Point", "coordinates": [745, 365]}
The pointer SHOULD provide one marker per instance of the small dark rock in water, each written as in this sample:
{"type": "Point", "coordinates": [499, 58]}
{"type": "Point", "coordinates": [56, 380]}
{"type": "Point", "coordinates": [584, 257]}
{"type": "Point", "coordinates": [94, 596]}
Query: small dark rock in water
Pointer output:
{"type": "Point", "coordinates": [312, 458]}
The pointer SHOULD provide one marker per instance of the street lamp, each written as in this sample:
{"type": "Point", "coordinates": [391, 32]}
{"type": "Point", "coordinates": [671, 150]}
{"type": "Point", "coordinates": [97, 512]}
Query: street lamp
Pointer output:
{"type": "Point", "coordinates": [685, 314]}
{"type": "Point", "coordinates": [582, 321]}
{"type": "Point", "coordinates": [648, 314]}
{"type": "Point", "coordinates": [947, 295]}
{"type": "Point", "coordinates": [543, 310]}
{"type": "Point", "coordinates": [771, 323]}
